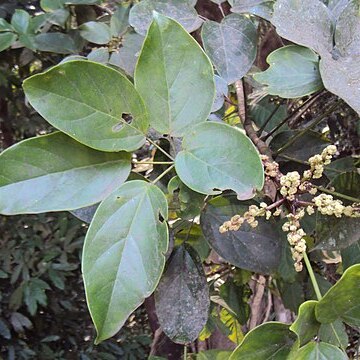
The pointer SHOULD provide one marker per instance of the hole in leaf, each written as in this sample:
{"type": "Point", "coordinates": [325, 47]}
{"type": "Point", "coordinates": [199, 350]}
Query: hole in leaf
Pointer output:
{"type": "Point", "coordinates": [126, 118]}
{"type": "Point", "coordinates": [161, 219]}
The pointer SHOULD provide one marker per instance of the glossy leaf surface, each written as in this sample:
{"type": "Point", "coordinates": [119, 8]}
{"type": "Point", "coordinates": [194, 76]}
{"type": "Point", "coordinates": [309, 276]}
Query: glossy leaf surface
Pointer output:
{"type": "Point", "coordinates": [54, 173]}
{"type": "Point", "coordinates": [217, 157]}
{"type": "Point", "coordinates": [318, 351]}
{"type": "Point", "coordinates": [181, 95]}
{"type": "Point", "coordinates": [342, 300]}
{"type": "Point", "coordinates": [293, 72]}
{"type": "Point", "coordinates": [182, 297]}
{"type": "Point", "coordinates": [97, 100]}
{"type": "Point", "coordinates": [231, 45]}
{"type": "Point", "coordinates": [256, 249]}
{"type": "Point", "coordinates": [123, 256]}
{"type": "Point", "coordinates": [271, 340]}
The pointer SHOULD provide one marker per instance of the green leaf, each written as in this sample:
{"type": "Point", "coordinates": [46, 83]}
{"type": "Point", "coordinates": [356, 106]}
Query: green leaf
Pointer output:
{"type": "Point", "coordinates": [293, 72]}
{"type": "Point", "coordinates": [236, 300]}
{"type": "Point", "coordinates": [123, 256]}
{"type": "Point", "coordinates": [51, 5]}
{"type": "Point", "coordinates": [217, 157]}
{"type": "Point", "coordinates": [304, 22]}
{"type": "Point", "coordinates": [336, 7]}
{"type": "Point", "coordinates": [261, 8]}
{"type": "Point", "coordinates": [232, 323]}
{"type": "Point", "coordinates": [271, 340]}
{"type": "Point", "coordinates": [20, 322]}
{"type": "Point", "coordinates": [339, 166]}
{"type": "Point", "coordinates": [342, 300]}
{"type": "Point", "coordinates": [20, 21]}
{"type": "Point", "coordinates": [4, 330]}
{"type": "Point", "coordinates": [55, 42]}
{"type": "Point", "coordinates": [231, 45]}
{"type": "Point", "coordinates": [95, 32]}
{"type": "Point", "coordinates": [318, 351]}
{"type": "Point", "coordinates": [351, 255]}
{"type": "Point", "coordinates": [213, 355]}
{"type": "Point", "coordinates": [221, 88]}
{"type": "Point", "coordinates": [55, 173]}
{"type": "Point", "coordinates": [302, 148]}
{"type": "Point", "coordinates": [181, 95]}
{"type": "Point", "coordinates": [334, 333]}
{"type": "Point", "coordinates": [182, 296]}
{"type": "Point", "coordinates": [6, 40]}
{"type": "Point", "coordinates": [127, 56]}
{"type": "Point", "coordinates": [119, 20]}
{"type": "Point", "coordinates": [96, 98]}
{"type": "Point", "coordinates": [339, 77]}
{"type": "Point", "coordinates": [334, 233]}
{"type": "Point", "coordinates": [100, 55]}
{"type": "Point", "coordinates": [190, 233]}
{"type": "Point", "coordinates": [5, 26]}
{"type": "Point", "coordinates": [81, 2]}
{"type": "Point", "coordinates": [34, 294]}
{"type": "Point", "coordinates": [256, 249]}
{"type": "Point", "coordinates": [347, 183]}
{"type": "Point", "coordinates": [306, 326]}
{"type": "Point", "coordinates": [347, 30]}
{"type": "Point", "coordinates": [180, 10]}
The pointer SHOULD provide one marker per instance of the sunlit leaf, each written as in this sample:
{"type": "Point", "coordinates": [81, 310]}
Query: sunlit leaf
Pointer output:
{"type": "Point", "coordinates": [181, 95]}
{"type": "Point", "coordinates": [123, 256]}
{"type": "Point", "coordinates": [261, 8]}
{"type": "Point", "coordinates": [54, 173]}
{"type": "Point", "coordinates": [293, 72]}
{"type": "Point", "coordinates": [271, 340]}
{"type": "Point", "coordinates": [96, 32]}
{"type": "Point", "coordinates": [318, 351]}
{"type": "Point", "coordinates": [103, 110]}
{"type": "Point", "coordinates": [342, 300]}
{"type": "Point", "coordinates": [217, 157]}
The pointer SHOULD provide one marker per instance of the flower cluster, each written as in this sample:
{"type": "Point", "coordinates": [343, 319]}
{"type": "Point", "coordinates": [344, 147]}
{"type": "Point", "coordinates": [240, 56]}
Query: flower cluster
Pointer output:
{"type": "Point", "coordinates": [327, 205]}
{"type": "Point", "coordinates": [249, 216]}
{"type": "Point", "coordinates": [289, 185]}
{"type": "Point", "coordinates": [317, 163]}
{"type": "Point", "coordinates": [295, 237]}
{"type": "Point", "coordinates": [271, 168]}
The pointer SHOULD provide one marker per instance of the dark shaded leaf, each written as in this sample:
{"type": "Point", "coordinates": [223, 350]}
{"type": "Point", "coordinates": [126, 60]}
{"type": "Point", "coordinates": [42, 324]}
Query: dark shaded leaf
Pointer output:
{"type": "Point", "coordinates": [256, 249]}
{"type": "Point", "coordinates": [182, 297]}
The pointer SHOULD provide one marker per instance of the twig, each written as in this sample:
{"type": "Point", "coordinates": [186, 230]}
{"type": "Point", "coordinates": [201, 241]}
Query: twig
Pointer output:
{"type": "Point", "coordinates": [257, 300]}
{"type": "Point", "coordinates": [268, 119]}
{"type": "Point", "coordinates": [248, 127]}
{"type": "Point", "coordinates": [163, 174]}
{"type": "Point", "coordinates": [295, 115]}
{"type": "Point", "coordinates": [160, 148]}
{"type": "Point", "coordinates": [268, 307]}
{"type": "Point", "coordinates": [304, 131]}
{"type": "Point", "coordinates": [312, 277]}
{"type": "Point", "coordinates": [342, 196]}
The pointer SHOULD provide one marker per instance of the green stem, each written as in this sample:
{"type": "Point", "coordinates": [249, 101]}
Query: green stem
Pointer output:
{"type": "Point", "coordinates": [339, 195]}
{"type": "Point", "coordinates": [185, 352]}
{"type": "Point", "coordinates": [268, 119]}
{"type": "Point", "coordinates": [304, 131]}
{"type": "Point", "coordinates": [152, 162]}
{"type": "Point", "coordinates": [160, 148]}
{"type": "Point", "coordinates": [163, 174]}
{"type": "Point", "coordinates": [312, 277]}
